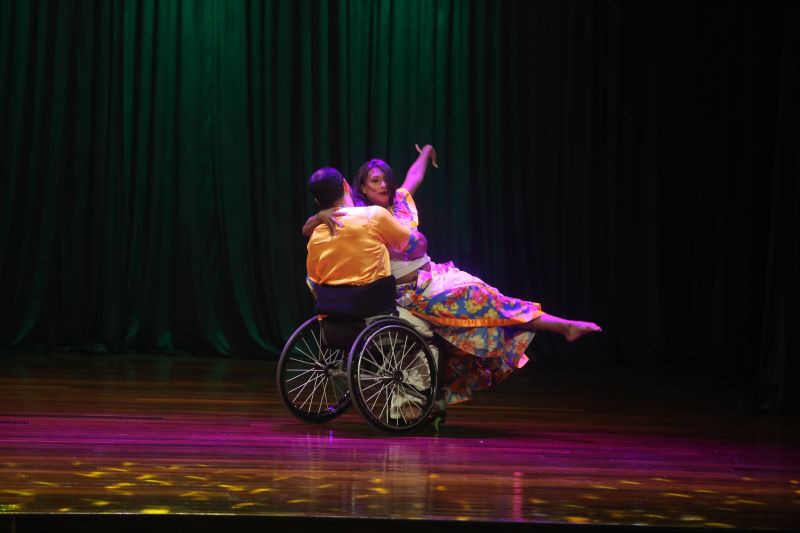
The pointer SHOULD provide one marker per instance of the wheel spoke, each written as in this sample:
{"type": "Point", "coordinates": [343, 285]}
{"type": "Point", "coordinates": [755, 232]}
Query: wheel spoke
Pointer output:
{"type": "Point", "coordinates": [324, 397]}
{"type": "Point", "coordinates": [307, 385]}
{"type": "Point", "coordinates": [402, 414]}
{"type": "Point", "coordinates": [302, 386]}
{"type": "Point", "coordinates": [310, 399]}
{"type": "Point", "coordinates": [304, 372]}
{"type": "Point", "coordinates": [376, 396]}
{"type": "Point", "coordinates": [414, 392]}
{"type": "Point", "coordinates": [380, 368]}
{"type": "Point", "coordinates": [371, 385]}
{"type": "Point", "coordinates": [302, 362]}
{"type": "Point", "coordinates": [310, 351]}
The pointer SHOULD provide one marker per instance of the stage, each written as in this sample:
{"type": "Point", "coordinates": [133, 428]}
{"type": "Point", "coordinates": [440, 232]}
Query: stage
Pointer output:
{"type": "Point", "coordinates": [156, 442]}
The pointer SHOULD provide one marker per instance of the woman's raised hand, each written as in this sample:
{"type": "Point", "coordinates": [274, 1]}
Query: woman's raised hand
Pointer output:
{"type": "Point", "coordinates": [416, 172]}
{"type": "Point", "coordinates": [432, 155]}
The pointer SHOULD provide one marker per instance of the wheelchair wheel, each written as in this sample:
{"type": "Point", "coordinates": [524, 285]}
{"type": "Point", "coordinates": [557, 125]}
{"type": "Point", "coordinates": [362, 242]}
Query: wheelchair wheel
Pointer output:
{"type": "Point", "coordinates": [393, 376]}
{"type": "Point", "coordinates": [311, 376]}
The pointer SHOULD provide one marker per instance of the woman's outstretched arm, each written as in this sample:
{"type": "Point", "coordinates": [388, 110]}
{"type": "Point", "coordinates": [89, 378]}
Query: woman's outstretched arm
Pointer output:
{"type": "Point", "coordinates": [416, 172]}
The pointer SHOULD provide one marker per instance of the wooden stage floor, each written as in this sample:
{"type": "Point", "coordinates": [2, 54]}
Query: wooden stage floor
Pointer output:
{"type": "Point", "coordinates": [87, 439]}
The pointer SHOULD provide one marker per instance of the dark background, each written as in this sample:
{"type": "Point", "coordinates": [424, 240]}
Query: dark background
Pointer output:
{"type": "Point", "coordinates": [631, 163]}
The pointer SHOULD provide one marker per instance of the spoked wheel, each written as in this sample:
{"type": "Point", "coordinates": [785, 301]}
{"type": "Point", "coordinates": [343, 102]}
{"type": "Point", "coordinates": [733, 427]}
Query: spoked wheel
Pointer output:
{"type": "Point", "coordinates": [311, 377]}
{"type": "Point", "coordinates": [393, 376]}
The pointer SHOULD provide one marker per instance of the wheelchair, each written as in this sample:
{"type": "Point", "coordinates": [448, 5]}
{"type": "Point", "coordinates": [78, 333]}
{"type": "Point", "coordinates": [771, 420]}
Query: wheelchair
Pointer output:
{"type": "Point", "coordinates": [356, 350]}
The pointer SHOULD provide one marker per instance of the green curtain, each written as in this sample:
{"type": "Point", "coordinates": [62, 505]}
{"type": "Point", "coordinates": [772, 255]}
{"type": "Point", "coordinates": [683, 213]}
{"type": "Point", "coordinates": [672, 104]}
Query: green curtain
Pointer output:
{"type": "Point", "coordinates": [632, 163]}
{"type": "Point", "coordinates": [156, 155]}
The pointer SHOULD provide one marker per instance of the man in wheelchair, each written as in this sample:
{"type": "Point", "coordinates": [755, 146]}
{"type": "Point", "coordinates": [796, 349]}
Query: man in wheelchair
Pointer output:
{"type": "Point", "coordinates": [356, 255]}
{"type": "Point", "coordinates": [392, 371]}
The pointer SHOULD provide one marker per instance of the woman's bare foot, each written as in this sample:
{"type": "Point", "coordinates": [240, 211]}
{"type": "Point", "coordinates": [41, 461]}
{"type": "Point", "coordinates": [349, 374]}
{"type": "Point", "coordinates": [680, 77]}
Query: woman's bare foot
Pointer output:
{"type": "Point", "coordinates": [576, 330]}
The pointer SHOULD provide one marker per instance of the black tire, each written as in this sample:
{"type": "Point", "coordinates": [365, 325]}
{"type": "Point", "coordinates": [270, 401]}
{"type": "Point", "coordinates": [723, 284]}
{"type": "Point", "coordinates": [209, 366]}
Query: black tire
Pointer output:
{"type": "Point", "coordinates": [310, 376]}
{"type": "Point", "coordinates": [393, 376]}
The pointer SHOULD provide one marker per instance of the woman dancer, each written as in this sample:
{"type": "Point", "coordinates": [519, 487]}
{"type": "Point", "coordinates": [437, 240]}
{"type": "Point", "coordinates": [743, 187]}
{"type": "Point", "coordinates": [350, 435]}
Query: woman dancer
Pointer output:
{"type": "Point", "coordinates": [488, 332]}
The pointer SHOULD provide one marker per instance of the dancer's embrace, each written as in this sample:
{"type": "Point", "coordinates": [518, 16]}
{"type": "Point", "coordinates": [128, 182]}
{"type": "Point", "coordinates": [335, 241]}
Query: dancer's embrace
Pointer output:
{"type": "Point", "coordinates": [487, 332]}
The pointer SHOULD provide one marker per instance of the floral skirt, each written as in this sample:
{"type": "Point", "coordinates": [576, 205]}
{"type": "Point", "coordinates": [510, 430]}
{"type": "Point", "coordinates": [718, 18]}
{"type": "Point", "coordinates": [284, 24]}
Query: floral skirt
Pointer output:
{"type": "Point", "coordinates": [481, 324]}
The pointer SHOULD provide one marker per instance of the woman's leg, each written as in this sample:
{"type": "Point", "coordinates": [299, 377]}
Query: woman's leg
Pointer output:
{"type": "Point", "coordinates": [572, 330]}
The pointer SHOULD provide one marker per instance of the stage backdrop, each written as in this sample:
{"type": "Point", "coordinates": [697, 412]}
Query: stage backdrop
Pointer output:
{"type": "Point", "coordinates": [632, 163]}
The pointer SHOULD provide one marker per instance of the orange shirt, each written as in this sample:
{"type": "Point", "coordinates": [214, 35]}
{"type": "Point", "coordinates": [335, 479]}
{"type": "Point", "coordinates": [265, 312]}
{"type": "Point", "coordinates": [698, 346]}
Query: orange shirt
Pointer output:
{"type": "Point", "coordinates": [356, 254]}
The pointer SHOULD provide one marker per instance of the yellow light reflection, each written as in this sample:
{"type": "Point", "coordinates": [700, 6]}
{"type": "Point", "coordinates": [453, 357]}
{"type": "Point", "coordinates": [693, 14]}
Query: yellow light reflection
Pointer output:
{"type": "Point", "coordinates": [158, 482]}
{"type": "Point", "coordinates": [18, 492]}
{"type": "Point", "coordinates": [96, 473]}
{"type": "Point", "coordinates": [577, 519]}
{"type": "Point", "coordinates": [10, 507]}
{"type": "Point", "coordinates": [242, 505]}
{"type": "Point", "coordinates": [119, 486]}
{"type": "Point", "coordinates": [738, 501]}
{"type": "Point", "coordinates": [234, 488]}
{"type": "Point", "coordinates": [195, 494]}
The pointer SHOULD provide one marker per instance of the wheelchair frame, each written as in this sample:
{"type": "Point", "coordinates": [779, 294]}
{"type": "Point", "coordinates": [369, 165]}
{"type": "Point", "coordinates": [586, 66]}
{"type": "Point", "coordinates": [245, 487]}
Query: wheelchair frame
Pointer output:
{"type": "Point", "coordinates": [389, 373]}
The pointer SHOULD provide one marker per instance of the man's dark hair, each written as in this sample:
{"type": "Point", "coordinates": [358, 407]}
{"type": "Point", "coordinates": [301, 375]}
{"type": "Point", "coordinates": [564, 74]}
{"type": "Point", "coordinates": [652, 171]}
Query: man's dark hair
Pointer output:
{"type": "Point", "coordinates": [327, 186]}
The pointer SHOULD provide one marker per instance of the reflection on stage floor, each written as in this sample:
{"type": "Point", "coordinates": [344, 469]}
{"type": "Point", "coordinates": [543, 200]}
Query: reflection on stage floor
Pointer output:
{"type": "Point", "coordinates": [177, 435]}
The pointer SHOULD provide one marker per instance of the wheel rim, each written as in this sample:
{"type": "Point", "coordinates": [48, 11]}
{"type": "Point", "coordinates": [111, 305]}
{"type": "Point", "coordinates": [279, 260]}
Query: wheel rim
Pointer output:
{"type": "Point", "coordinates": [311, 378]}
{"type": "Point", "coordinates": [394, 376]}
